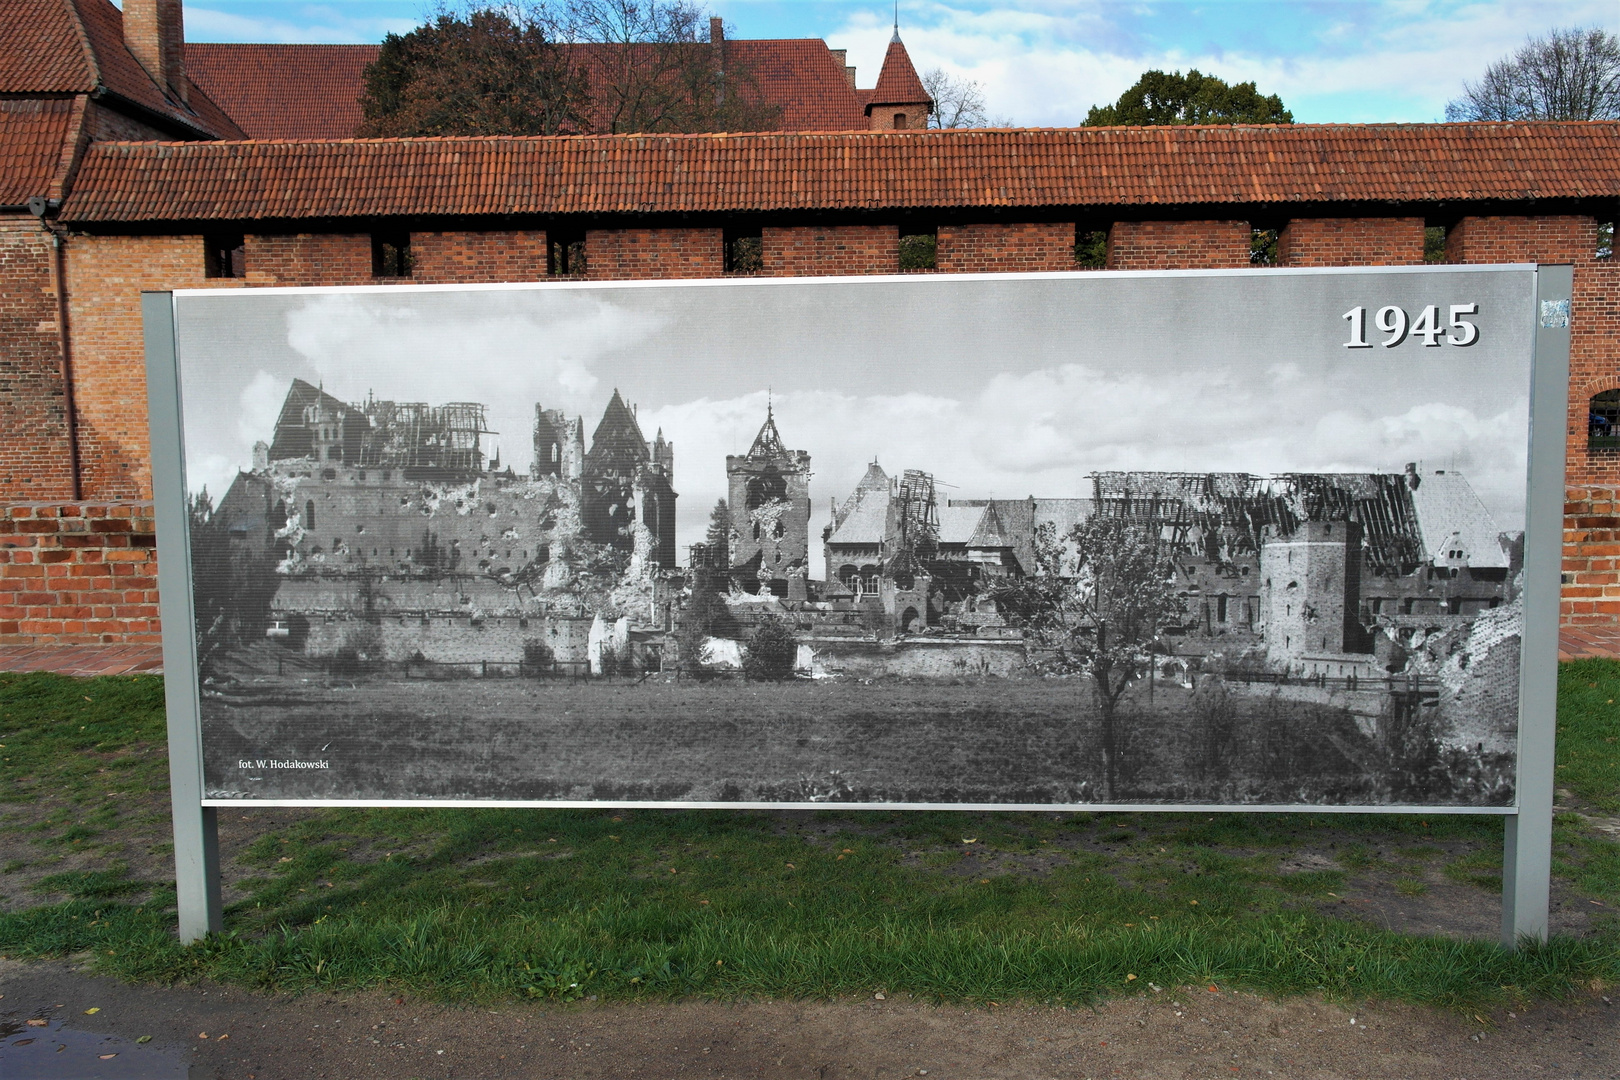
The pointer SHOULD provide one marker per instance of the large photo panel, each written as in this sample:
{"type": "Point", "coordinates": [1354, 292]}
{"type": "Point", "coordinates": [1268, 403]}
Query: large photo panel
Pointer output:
{"type": "Point", "coordinates": [1235, 538]}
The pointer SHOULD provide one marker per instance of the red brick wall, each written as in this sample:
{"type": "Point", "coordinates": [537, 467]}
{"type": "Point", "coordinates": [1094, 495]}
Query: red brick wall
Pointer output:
{"type": "Point", "coordinates": [308, 259]}
{"type": "Point", "coordinates": [1009, 248]}
{"type": "Point", "coordinates": [78, 572]}
{"type": "Point", "coordinates": [34, 459]}
{"type": "Point", "coordinates": [616, 254]}
{"type": "Point", "coordinates": [1178, 245]}
{"type": "Point", "coordinates": [816, 250]}
{"type": "Point", "coordinates": [106, 275]}
{"type": "Point", "coordinates": [1351, 242]}
{"type": "Point", "coordinates": [1591, 556]}
{"type": "Point", "coordinates": [478, 257]}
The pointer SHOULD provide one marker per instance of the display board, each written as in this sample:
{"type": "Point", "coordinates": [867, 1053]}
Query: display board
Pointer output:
{"type": "Point", "coordinates": [1238, 539]}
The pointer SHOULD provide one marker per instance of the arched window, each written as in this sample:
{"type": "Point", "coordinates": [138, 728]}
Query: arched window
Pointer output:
{"type": "Point", "coordinates": [1603, 421]}
{"type": "Point", "coordinates": [899, 121]}
{"type": "Point", "coordinates": [309, 515]}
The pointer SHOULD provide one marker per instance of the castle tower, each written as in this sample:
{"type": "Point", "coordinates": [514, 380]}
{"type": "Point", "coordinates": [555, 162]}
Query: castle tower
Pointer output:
{"type": "Point", "coordinates": [628, 481]}
{"type": "Point", "coordinates": [769, 498]}
{"type": "Point", "coordinates": [1310, 593]}
{"type": "Point", "coordinates": [559, 444]}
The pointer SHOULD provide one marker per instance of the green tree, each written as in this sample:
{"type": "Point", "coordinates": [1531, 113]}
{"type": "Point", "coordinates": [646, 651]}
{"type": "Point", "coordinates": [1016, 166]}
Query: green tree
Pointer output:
{"type": "Point", "coordinates": [1571, 74]}
{"type": "Point", "coordinates": [1193, 98]}
{"type": "Point", "coordinates": [491, 71]}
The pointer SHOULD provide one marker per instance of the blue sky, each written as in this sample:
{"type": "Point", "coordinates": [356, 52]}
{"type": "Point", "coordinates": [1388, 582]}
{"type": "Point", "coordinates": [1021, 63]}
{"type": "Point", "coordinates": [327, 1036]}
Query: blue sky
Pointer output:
{"type": "Point", "coordinates": [1045, 63]}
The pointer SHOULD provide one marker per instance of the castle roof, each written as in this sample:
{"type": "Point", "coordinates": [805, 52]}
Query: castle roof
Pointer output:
{"type": "Point", "coordinates": [77, 47]}
{"type": "Point", "coordinates": [865, 520]}
{"type": "Point", "coordinates": [768, 443]}
{"type": "Point", "coordinates": [897, 83]}
{"type": "Point", "coordinates": [292, 437]}
{"type": "Point", "coordinates": [1282, 166]}
{"type": "Point", "coordinates": [1451, 516]}
{"type": "Point", "coordinates": [284, 91]}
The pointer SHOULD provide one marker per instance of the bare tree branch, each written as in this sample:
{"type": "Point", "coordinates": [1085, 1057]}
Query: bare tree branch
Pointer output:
{"type": "Point", "coordinates": [958, 102]}
{"type": "Point", "coordinates": [1571, 74]}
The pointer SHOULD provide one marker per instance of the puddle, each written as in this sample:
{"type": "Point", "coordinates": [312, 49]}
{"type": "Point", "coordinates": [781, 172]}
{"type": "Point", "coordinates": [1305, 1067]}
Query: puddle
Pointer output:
{"type": "Point", "coordinates": [55, 1052]}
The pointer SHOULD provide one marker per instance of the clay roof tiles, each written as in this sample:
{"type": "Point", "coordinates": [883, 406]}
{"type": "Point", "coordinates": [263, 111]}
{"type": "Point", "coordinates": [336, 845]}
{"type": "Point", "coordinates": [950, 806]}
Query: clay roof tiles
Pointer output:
{"type": "Point", "coordinates": [37, 138]}
{"type": "Point", "coordinates": [284, 91]}
{"type": "Point", "coordinates": [848, 171]}
{"type": "Point", "coordinates": [77, 47]}
{"type": "Point", "coordinates": [897, 83]}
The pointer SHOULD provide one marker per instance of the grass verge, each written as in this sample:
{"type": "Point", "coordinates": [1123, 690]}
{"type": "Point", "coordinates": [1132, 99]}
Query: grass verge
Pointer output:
{"type": "Point", "coordinates": [509, 904]}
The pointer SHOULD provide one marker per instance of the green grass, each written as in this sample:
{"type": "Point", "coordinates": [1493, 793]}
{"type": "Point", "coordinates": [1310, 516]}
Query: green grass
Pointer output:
{"type": "Point", "coordinates": [555, 904]}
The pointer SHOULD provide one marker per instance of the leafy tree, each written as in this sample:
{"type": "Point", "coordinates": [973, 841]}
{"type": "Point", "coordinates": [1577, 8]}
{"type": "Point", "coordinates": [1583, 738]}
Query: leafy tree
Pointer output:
{"type": "Point", "coordinates": [491, 71]}
{"type": "Point", "coordinates": [1193, 98]}
{"type": "Point", "coordinates": [1101, 600]}
{"type": "Point", "coordinates": [772, 649]}
{"type": "Point", "coordinates": [233, 583]}
{"type": "Point", "coordinates": [1571, 74]}
{"type": "Point", "coordinates": [958, 102]}
{"type": "Point", "coordinates": [655, 69]}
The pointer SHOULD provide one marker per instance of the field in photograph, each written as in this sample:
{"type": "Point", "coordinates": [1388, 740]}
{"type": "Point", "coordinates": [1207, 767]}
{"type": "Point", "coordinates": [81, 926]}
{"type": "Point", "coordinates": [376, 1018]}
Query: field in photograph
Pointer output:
{"type": "Point", "coordinates": [972, 741]}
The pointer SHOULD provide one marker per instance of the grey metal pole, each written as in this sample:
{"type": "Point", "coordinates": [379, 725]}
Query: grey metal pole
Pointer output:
{"type": "Point", "coordinates": [1527, 837]}
{"type": "Point", "coordinates": [196, 832]}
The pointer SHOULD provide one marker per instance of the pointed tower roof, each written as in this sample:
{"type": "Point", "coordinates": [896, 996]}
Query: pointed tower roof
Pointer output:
{"type": "Point", "coordinates": [618, 443]}
{"type": "Point", "coordinates": [768, 443]}
{"type": "Point", "coordinates": [898, 83]}
{"type": "Point", "coordinates": [874, 480]}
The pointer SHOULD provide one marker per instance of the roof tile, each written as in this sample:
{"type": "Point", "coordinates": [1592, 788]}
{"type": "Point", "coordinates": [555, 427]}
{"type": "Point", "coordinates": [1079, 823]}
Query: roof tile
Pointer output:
{"type": "Point", "coordinates": [846, 171]}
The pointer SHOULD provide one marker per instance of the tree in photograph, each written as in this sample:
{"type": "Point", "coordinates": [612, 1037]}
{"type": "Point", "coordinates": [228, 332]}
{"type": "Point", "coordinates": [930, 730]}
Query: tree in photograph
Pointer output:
{"type": "Point", "coordinates": [958, 102]}
{"type": "Point", "coordinates": [1571, 74]}
{"type": "Point", "coordinates": [1100, 601]}
{"type": "Point", "coordinates": [233, 583]}
{"type": "Point", "coordinates": [653, 68]}
{"type": "Point", "coordinates": [719, 536]}
{"type": "Point", "coordinates": [771, 650]}
{"type": "Point", "coordinates": [489, 71]}
{"type": "Point", "coordinates": [1193, 98]}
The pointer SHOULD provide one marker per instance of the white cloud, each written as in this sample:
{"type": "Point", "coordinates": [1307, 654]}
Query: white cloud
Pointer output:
{"type": "Point", "coordinates": [1047, 64]}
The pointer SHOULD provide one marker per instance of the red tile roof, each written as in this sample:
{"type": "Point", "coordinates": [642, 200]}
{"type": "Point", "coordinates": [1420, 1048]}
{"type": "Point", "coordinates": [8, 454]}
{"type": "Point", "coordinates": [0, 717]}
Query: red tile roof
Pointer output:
{"type": "Point", "coordinates": [1161, 166]}
{"type": "Point", "coordinates": [77, 46]}
{"type": "Point", "coordinates": [284, 91]}
{"type": "Point", "coordinates": [313, 91]}
{"type": "Point", "coordinates": [897, 83]}
{"type": "Point", "coordinates": [36, 142]}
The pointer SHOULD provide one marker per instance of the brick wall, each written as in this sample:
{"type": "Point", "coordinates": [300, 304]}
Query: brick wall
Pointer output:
{"type": "Point", "coordinates": [1005, 248]}
{"type": "Point", "coordinates": [511, 255]}
{"type": "Point", "coordinates": [616, 254]}
{"type": "Point", "coordinates": [1591, 556]}
{"type": "Point", "coordinates": [34, 458]}
{"type": "Point", "coordinates": [106, 275]}
{"type": "Point", "coordinates": [78, 572]}
{"type": "Point", "coordinates": [831, 249]}
{"type": "Point", "coordinates": [1178, 245]}
{"type": "Point", "coordinates": [306, 259]}
{"type": "Point", "coordinates": [1351, 242]}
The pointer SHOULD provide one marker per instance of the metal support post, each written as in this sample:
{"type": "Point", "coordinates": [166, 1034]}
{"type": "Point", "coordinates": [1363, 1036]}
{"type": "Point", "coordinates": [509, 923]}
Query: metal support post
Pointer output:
{"type": "Point", "coordinates": [1527, 835]}
{"type": "Point", "coordinates": [196, 832]}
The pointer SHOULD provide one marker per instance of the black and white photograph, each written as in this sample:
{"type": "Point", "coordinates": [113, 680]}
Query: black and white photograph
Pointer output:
{"type": "Point", "coordinates": [1219, 538]}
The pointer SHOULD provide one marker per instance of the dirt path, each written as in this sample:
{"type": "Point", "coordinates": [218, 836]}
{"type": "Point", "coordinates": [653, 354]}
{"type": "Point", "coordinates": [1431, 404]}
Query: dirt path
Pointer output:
{"type": "Point", "coordinates": [1176, 1034]}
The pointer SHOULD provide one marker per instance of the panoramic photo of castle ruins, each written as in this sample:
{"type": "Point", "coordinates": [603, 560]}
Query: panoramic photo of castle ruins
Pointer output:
{"type": "Point", "coordinates": [379, 579]}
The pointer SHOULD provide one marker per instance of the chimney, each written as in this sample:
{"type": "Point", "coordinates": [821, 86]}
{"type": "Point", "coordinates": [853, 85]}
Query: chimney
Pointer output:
{"type": "Point", "coordinates": [717, 30]}
{"type": "Point", "coordinates": [841, 57]}
{"type": "Point", "coordinates": [155, 34]}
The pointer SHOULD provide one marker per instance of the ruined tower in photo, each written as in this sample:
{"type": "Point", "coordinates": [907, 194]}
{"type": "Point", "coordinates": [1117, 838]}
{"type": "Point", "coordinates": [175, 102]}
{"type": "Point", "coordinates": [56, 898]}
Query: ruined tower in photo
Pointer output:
{"type": "Point", "coordinates": [769, 497]}
{"type": "Point", "coordinates": [628, 484]}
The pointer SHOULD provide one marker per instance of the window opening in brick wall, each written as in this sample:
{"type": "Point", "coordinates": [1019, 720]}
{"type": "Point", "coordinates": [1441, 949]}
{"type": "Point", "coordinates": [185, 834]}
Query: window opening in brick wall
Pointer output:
{"type": "Point", "coordinates": [224, 256]}
{"type": "Point", "coordinates": [919, 249]}
{"type": "Point", "coordinates": [1434, 244]}
{"type": "Point", "coordinates": [1605, 240]}
{"type": "Point", "coordinates": [1262, 247]}
{"type": "Point", "coordinates": [1603, 421]}
{"type": "Point", "coordinates": [1090, 247]}
{"type": "Point", "coordinates": [899, 121]}
{"type": "Point", "coordinates": [391, 255]}
{"type": "Point", "coordinates": [744, 251]}
{"type": "Point", "coordinates": [565, 254]}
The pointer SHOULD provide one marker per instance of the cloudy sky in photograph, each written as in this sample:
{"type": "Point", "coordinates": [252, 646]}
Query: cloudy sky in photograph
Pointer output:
{"type": "Point", "coordinates": [1044, 63]}
{"type": "Point", "coordinates": [1001, 387]}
